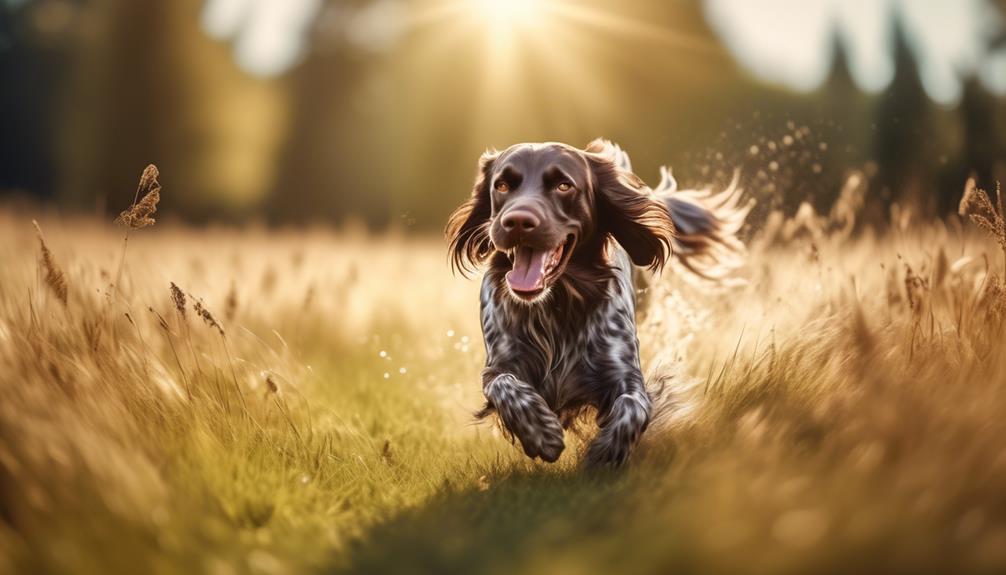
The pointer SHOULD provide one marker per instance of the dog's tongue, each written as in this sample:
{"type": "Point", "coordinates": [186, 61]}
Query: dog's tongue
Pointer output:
{"type": "Point", "coordinates": [528, 269]}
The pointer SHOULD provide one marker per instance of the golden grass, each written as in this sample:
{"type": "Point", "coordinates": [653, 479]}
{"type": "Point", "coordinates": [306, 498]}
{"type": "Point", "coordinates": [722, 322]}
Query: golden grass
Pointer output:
{"type": "Point", "coordinates": [54, 277]}
{"type": "Point", "coordinates": [843, 409]}
{"type": "Point", "coordinates": [148, 195]}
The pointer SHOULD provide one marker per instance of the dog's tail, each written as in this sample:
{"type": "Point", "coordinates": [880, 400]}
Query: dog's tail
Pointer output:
{"type": "Point", "coordinates": [706, 226]}
{"type": "Point", "coordinates": [706, 223]}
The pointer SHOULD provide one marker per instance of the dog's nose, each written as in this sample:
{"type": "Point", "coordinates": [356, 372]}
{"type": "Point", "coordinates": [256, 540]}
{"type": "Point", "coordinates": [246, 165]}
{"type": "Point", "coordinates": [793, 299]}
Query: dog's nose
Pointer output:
{"type": "Point", "coordinates": [520, 221]}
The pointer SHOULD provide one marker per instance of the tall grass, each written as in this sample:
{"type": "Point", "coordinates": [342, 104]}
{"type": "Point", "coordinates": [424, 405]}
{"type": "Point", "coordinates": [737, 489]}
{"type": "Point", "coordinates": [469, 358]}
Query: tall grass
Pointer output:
{"type": "Point", "coordinates": [278, 401]}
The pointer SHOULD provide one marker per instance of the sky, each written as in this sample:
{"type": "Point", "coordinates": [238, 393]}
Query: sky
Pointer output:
{"type": "Point", "coordinates": [786, 42]}
{"type": "Point", "coordinates": [268, 35]}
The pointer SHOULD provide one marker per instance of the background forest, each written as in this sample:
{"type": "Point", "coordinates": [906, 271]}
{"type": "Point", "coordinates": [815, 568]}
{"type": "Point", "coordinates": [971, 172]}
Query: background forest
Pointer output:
{"type": "Point", "coordinates": [376, 111]}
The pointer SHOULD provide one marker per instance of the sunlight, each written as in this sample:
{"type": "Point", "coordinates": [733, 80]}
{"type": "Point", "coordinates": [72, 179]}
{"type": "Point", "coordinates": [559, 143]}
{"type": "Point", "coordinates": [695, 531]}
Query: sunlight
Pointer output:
{"type": "Point", "coordinates": [540, 67]}
{"type": "Point", "coordinates": [509, 13]}
{"type": "Point", "coordinates": [508, 23]}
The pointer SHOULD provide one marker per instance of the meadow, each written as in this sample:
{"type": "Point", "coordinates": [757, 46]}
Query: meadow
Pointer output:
{"type": "Point", "coordinates": [221, 400]}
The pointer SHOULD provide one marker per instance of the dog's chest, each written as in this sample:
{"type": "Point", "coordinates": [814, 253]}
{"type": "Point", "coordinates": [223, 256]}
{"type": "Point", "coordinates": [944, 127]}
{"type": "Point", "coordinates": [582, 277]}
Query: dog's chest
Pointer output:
{"type": "Point", "coordinates": [565, 358]}
{"type": "Point", "coordinates": [538, 344]}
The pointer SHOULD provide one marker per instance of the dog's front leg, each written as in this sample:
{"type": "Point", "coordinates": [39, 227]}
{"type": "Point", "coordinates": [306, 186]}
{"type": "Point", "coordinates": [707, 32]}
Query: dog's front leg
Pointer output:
{"type": "Point", "coordinates": [525, 414]}
{"type": "Point", "coordinates": [621, 424]}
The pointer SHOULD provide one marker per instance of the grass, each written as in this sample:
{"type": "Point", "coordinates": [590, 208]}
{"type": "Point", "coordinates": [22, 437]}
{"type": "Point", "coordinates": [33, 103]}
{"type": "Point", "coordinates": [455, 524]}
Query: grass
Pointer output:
{"type": "Point", "coordinates": [841, 411]}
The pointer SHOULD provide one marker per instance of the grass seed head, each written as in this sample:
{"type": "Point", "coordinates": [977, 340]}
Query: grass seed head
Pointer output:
{"type": "Point", "coordinates": [968, 199]}
{"type": "Point", "coordinates": [977, 204]}
{"type": "Point", "coordinates": [271, 383]}
{"type": "Point", "coordinates": [139, 215]}
{"type": "Point", "coordinates": [178, 298]}
{"type": "Point", "coordinates": [54, 277]}
{"type": "Point", "coordinates": [206, 316]}
{"type": "Point", "coordinates": [160, 318]}
{"type": "Point", "coordinates": [916, 288]}
{"type": "Point", "coordinates": [995, 297]}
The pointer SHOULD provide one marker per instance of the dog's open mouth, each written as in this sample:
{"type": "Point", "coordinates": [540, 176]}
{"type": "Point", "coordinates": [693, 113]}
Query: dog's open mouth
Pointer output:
{"type": "Point", "coordinates": [535, 269]}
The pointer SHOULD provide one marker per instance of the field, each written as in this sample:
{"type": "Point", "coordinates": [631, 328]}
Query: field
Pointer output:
{"type": "Point", "coordinates": [302, 403]}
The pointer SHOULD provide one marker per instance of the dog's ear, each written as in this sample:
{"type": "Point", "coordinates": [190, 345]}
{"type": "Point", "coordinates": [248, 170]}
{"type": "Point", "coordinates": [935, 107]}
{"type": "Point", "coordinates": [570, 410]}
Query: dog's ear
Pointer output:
{"type": "Point", "coordinates": [626, 209]}
{"type": "Point", "coordinates": [468, 227]}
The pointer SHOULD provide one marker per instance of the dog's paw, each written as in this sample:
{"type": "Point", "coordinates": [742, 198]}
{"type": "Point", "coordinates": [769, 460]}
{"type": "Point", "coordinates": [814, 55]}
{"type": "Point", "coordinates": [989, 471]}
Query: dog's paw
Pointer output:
{"type": "Point", "coordinates": [525, 414]}
{"type": "Point", "coordinates": [620, 431]}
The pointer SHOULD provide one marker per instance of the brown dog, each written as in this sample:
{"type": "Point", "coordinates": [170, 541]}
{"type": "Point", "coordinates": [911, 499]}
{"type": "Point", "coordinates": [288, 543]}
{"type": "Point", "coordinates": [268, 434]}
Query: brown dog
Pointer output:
{"type": "Point", "coordinates": [561, 229]}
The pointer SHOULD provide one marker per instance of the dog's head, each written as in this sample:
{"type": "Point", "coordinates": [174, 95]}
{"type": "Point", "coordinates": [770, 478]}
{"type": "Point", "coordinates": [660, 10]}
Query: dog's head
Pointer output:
{"type": "Point", "coordinates": [551, 206]}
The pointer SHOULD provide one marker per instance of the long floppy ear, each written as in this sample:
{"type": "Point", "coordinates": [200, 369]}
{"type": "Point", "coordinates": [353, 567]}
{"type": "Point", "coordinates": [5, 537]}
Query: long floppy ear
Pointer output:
{"type": "Point", "coordinates": [626, 209]}
{"type": "Point", "coordinates": [468, 227]}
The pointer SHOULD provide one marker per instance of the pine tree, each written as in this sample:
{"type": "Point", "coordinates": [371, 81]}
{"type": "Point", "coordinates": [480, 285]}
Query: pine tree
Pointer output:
{"type": "Point", "coordinates": [843, 107]}
{"type": "Point", "coordinates": [981, 139]}
{"type": "Point", "coordinates": [903, 126]}
{"type": "Point", "coordinates": [33, 70]}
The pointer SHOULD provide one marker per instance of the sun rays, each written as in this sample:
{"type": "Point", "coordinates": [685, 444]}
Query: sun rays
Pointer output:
{"type": "Point", "coordinates": [541, 66]}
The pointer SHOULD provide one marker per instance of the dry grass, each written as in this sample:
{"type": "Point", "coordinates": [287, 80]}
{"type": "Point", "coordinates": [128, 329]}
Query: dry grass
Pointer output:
{"type": "Point", "coordinates": [54, 277]}
{"type": "Point", "coordinates": [842, 410]}
{"type": "Point", "coordinates": [148, 195]}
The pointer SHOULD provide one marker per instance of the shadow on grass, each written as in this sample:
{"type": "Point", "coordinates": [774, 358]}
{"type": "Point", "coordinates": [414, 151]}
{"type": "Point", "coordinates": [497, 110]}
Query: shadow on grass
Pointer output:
{"type": "Point", "coordinates": [519, 519]}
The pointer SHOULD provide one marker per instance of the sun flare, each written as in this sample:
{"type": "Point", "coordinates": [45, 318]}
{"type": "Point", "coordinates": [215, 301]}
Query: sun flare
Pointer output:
{"type": "Point", "coordinates": [509, 13]}
{"type": "Point", "coordinates": [543, 66]}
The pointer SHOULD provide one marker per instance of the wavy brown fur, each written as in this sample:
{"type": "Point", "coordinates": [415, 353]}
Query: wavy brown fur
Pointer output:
{"type": "Point", "coordinates": [626, 209]}
{"type": "Point", "coordinates": [468, 226]}
{"type": "Point", "coordinates": [705, 223]}
{"type": "Point", "coordinates": [571, 347]}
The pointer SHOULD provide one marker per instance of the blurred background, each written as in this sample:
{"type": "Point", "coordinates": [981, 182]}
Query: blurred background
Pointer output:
{"type": "Point", "coordinates": [375, 111]}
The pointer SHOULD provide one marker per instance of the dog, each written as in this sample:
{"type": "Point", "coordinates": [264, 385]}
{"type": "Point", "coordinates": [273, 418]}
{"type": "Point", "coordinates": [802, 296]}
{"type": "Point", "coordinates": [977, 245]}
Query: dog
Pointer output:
{"type": "Point", "coordinates": [562, 233]}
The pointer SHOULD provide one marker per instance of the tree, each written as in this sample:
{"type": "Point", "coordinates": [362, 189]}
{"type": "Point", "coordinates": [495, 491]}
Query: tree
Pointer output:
{"type": "Point", "coordinates": [981, 146]}
{"type": "Point", "coordinates": [33, 69]}
{"type": "Point", "coordinates": [903, 126]}
{"type": "Point", "coordinates": [843, 108]}
{"type": "Point", "coordinates": [149, 86]}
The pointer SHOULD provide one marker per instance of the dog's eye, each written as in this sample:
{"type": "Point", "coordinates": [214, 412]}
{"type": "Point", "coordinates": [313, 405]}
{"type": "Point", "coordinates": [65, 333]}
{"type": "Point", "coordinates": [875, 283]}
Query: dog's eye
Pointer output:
{"type": "Point", "coordinates": [564, 187]}
{"type": "Point", "coordinates": [502, 187]}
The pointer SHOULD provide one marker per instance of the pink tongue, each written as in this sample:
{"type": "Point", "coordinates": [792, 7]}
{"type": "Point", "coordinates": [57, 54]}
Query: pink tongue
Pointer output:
{"type": "Point", "coordinates": [526, 274]}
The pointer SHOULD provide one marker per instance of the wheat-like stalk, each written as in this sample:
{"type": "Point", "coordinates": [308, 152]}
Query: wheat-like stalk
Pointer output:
{"type": "Point", "coordinates": [995, 295]}
{"type": "Point", "coordinates": [977, 205]}
{"type": "Point", "coordinates": [206, 316]}
{"type": "Point", "coordinates": [180, 301]}
{"type": "Point", "coordinates": [915, 289]}
{"type": "Point", "coordinates": [273, 390]}
{"type": "Point", "coordinates": [148, 194]}
{"type": "Point", "coordinates": [167, 335]}
{"type": "Point", "coordinates": [271, 383]}
{"type": "Point", "coordinates": [211, 321]}
{"type": "Point", "coordinates": [54, 277]}
{"type": "Point", "coordinates": [178, 298]}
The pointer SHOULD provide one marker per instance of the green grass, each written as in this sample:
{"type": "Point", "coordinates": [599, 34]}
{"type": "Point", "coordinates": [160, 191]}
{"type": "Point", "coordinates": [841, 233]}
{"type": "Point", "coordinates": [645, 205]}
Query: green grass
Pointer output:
{"type": "Point", "coordinates": [827, 416]}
